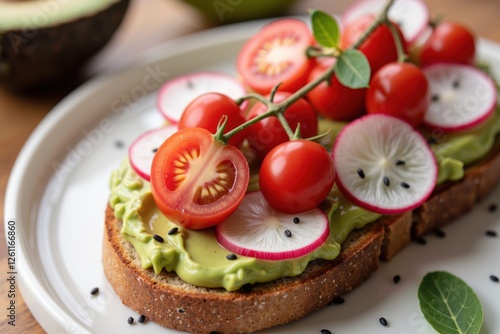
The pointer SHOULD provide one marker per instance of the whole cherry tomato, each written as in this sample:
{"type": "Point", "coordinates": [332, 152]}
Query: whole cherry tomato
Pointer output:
{"type": "Point", "coordinates": [277, 54]}
{"type": "Point", "coordinates": [401, 90]}
{"type": "Point", "coordinates": [268, 133]}
{"type": "Point", "coordinates": [197, 181]}
{"type": "Point", "coordinates": [296, 176]}
{"type": "Point", "coordinates": [206, 111]}
{"type": "Point", "coordinates": [451, 43]}
{"type": "Point", "coordinates": [334, 100]}
{"type": "Point", "coordinates": [379, 48]}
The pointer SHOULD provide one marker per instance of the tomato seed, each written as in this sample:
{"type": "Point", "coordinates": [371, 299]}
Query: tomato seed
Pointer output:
{"type": "Point", "coordinates": [158, 238]}
{"type": "Point", "coordinates": [288, 233]}
{"type": "Point", "coordinates": [173, 230]}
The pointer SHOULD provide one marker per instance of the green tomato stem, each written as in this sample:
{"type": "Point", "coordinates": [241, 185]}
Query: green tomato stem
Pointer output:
{"type": "Point", "coordinates": [278, 109]}
{"type": "Point", "coordinates": [402, 56]}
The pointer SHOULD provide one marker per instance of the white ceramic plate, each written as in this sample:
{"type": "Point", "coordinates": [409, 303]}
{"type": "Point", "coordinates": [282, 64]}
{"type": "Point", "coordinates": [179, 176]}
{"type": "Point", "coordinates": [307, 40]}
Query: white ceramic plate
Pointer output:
{"type": "Point", "coordinates": [58, 190]}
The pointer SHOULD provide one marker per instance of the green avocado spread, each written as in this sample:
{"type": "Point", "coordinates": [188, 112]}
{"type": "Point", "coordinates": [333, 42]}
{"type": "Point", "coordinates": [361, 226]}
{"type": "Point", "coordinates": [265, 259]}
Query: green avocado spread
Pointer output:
{"type": "Point", "coordinates": [198, 259]}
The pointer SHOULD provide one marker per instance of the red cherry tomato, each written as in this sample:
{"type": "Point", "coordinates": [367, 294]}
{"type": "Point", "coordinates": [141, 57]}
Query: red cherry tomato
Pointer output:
{"type": "Point", "coordinates": [451, 43]}
{"type": "Point", "coordinates": [379, 48]}
{"type": "Point", "coordinates": [277, 53]}
{"type": "Point", "coordinates": [401, 90]}
{"type": "Point", "coordinates": [296, 176]}
{"type": "Point", "coordinates": [269, 133]}
{"type": "Point", "coordinates": [196, 181]}
{"type": "Point", "coordinates": [334, 100]}
{"type": "Point", "coordinates": [206, 112]}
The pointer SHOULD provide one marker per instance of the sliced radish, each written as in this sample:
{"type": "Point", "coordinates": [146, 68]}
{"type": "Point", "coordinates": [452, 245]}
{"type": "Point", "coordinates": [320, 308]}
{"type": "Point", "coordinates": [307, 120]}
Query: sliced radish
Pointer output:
{"type": "Point", "coordinates": [412, 16]}
{"type": "Point", "coordinates": [384, 165]}
{"type": "Point", "coordinates": [257, 230]}
{"type": "Point", "coordinates": [176, 94]}
{"type": "Point", "coordinates": [462, 97]}
{"type": "Point", "coordinates": [143, 149]}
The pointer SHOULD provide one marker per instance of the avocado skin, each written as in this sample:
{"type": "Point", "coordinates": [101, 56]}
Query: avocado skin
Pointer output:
{"type": "Point", "coordinates": [29, 60]}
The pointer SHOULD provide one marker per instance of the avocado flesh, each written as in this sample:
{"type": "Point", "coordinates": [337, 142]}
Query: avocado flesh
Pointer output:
{"type": "Point", "coordinates": [45, 41]}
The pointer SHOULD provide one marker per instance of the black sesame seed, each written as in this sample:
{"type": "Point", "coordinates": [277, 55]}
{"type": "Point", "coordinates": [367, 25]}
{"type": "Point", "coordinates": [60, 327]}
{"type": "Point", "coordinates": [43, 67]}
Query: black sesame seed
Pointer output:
{"type": "Point", "coordinates": [94, 291]}
{"type": "Point", "coordinates": [421, 240]}
{"type": "Point", "coordinates": [494, 278]}
{"type": "Point", "coordinates": [173, 230]}
{"type": "Point", "coordinates": [231, 257]}
{"type": "Point", "coordinates": [400, 163]}
{"type": "Point", "coordinates": [119, 144]}
{"type": "Point", "coordinates": [361, 173]}
{"type": "Point", "coordinates": [338, 300]}
{"type": "Point", "coordinates": [493, 207]}
{"type": "Point", "coordinates": [325, 331]}
{"type": "Point", "coordinates": [396, 279]}
{"type": "Point", "coordinates": [180, 310]}
{"type": "Point", "coordinates": [435, 98]}
{"type": "Point", "coordinates": [288, 233]}
{"type": "Point", "coordinates": [158, 238]}
{"type": "Point", "coordinates": [130, 320]}
{"type": "Point", "coordinates": [154, 150]}
{"type": "Point", "coordinates": [213, 332]}
{"type": "Point", "coordinates": [456, 84]}
{"type": "Point", "coordinates": [296, 220]}
{"type": "Point", "coordinates": [440, 233]}
{"type": "Point", "coordinates": [387, 182]}
{"type": "Point", "coordinates": [491, 233]}
{"type": "Point", "coordinates": [141, 318]}
{"type": "Point", "coordinates": [383, 321]}
{"type": "Point", "coordinates": [405, 185]}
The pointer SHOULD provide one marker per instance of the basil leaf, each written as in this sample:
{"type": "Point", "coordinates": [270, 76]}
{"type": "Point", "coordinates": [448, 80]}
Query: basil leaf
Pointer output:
{"type": "Point", "coordinates": [352, 69]}
{"type": "Point", "coordinates": [325, 29]}
{"type": "Point", "coordinates": [449, 304]}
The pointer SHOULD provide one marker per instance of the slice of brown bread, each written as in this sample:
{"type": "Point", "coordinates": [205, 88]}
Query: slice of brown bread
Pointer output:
{"type": "Point", "coordinates": [170, 302]}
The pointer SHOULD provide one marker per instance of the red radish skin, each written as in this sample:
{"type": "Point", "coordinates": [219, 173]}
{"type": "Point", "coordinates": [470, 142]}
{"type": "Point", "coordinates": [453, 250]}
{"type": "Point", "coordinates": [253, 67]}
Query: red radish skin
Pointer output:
{"type": "Point", "coordinates": [168, 96]}
{"type": "Point", "coordinates": [481, 116]}
{"type": "Point", "coordinates": [253, 202]}
{"type": "Point", "coordinates": [372, 207]}
{"type": "Point", "coordinates": [140, 152]}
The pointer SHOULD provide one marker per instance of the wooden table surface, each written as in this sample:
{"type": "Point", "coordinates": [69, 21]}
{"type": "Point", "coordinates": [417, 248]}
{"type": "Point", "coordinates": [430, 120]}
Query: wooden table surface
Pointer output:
{"type": "Point", "coordinates": [148, 23]}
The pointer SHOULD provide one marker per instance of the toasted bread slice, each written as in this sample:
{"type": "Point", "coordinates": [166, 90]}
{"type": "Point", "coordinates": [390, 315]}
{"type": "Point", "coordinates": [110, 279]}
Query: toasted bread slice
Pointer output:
{"type": "Point", "coordinates": [171, 302]}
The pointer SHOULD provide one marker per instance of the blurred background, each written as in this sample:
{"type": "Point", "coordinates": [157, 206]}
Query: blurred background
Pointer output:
{"type": "Point", "coordinates": [77, 43]}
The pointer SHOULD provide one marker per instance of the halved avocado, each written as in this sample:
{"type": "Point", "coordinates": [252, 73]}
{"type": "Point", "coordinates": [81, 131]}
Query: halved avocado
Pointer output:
{"type": "Point", "coordinates": [42, 41]}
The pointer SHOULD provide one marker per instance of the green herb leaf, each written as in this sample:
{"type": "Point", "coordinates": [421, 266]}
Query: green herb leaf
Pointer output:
{"type": "Point", "coordinates": [449, 304]}
{"type": "Point", "coordinates": [352, 69]}
{"type": "Point", "coordinates": [325, 29]}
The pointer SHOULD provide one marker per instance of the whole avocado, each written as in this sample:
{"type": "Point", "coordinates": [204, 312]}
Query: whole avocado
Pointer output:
{"type": "Point", "coordinates": [42, 41]}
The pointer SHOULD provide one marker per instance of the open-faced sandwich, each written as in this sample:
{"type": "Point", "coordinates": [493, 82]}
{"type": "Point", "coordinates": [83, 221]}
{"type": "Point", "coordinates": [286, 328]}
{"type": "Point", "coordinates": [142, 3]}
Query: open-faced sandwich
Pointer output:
{"type": "Point", "coordinates": [289, 195]}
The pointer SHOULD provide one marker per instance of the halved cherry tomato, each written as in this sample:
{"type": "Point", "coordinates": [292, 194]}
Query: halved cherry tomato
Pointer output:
{"type": "Point", "coordinates": [334, 100]}
{"type": "Point", "coordinates": [269, 133]}
{"type": "Point", "coordinates": [277, 53]}
{"type": "Point", "coordinates": [400, 90]}
{"type": "Point", "coordinates": [379, 48]}
{"type": "Point", "coordinates": [206, 111]}
{"type": "Point", "coordinates": [451, 43]}
{"type": "Point", "coordinates": [296, 176]}
{"type": "Point", "coordinates": [197, 181]}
